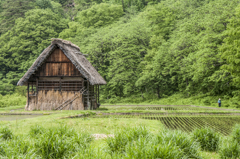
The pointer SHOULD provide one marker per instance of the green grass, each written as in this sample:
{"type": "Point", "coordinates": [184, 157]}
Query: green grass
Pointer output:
{"type": "Point", "coordinates": [91, 125]}
{"type": "Point", "coordinates": [26, 136]}
{"type": "Point", "coordinates": [133, 138]}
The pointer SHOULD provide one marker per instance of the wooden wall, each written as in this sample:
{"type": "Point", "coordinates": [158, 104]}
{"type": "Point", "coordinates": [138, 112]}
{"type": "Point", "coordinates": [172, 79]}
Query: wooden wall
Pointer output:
{"type": "Point", "coordinates": [57, 64]}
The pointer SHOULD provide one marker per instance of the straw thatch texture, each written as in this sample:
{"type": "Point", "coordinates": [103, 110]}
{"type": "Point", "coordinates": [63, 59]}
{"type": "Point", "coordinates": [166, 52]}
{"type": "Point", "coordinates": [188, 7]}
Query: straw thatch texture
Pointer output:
{"type": "Point", "coordinates": [49, 100]}
{"type": "Point", "coordinates": [75, 56]}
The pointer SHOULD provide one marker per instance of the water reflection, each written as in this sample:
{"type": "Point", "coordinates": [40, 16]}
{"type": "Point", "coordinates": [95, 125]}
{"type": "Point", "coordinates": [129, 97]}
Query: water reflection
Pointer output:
{"type": "Point", "coordinates": [16, 117]}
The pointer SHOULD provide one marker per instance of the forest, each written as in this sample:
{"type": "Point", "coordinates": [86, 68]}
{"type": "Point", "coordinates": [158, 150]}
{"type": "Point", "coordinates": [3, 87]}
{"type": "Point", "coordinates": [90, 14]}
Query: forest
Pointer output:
{"type": "Point", "coordinates": [143, 48]}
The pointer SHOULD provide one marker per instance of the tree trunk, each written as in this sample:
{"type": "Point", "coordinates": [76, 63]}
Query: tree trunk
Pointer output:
{"type": "Point", "coordinates": [123, 6]}
{"type": "Point", "coordinates": [142, 94]}
{"type": "Point", "coordinates": [158, 92]}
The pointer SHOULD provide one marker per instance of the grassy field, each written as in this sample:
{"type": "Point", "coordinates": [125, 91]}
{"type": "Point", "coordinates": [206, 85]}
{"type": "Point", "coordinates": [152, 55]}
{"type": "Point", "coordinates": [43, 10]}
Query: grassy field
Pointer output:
{"type": "Point", "coordinates": [147, 131]}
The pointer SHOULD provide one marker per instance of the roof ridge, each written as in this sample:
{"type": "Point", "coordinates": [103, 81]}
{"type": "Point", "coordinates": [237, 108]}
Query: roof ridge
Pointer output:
{"type": "Point", "coordinates": [57, 40]}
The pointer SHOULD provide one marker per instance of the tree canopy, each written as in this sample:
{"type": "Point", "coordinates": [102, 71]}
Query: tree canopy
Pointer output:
{"type": "Point", "coordinates": [138, 46]}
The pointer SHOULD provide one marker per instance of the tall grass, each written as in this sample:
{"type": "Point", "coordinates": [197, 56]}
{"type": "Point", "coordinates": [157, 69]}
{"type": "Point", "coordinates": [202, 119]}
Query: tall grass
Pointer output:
{"type": "Point", "coordinates": [230, 146]}
{"type": "Point", "coordinates": [123, 137]}
{"type": "Point", "coordinates": [229, 149]}
{"type": "Point", "coordinates": [56, 142]}
{"type": "Point", "coordinates": [129, 143]}
{"type": "Point", "coordinates": [207, 137]}
{"type": "Point", "coordinates": [5, 133]}
{"type": "Point", "coordinates": [139, 143]}
{"type": "Point", "coordinates": [143, 148]}
{"type": "Point", "coordinates": [236, 133]}
{"type": "Point", "coordinates": [183, 141]}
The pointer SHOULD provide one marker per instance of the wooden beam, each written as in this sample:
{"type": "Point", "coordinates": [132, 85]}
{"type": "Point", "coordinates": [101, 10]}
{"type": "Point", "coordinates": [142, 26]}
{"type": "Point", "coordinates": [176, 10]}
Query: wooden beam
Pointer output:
{"type": "Point", "coordinates": [36, 90]}
{"type": "Point", "coordinates": [28, 96]}
{"type": "Point", "coordinates": [60, 87]}
{"type": "Point", "coordinates": [98, 93]}
{"type": "Point", "coordinates": [88, 103]}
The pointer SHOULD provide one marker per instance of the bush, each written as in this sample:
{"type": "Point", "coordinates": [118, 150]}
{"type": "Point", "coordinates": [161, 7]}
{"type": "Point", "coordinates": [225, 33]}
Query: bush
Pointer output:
{"type": "Point", "coordinates": [229, 149]}
{"type": "Point", "coordinates": [208, 138]}
{"type": "Point", "coordinates": [12, 100]}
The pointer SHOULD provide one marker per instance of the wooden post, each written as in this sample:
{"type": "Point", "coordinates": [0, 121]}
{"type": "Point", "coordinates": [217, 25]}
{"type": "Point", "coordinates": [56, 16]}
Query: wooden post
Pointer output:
{"type": "Point", "coordinates": [88, 103]}
{"type": "Point", "coordinates": [60, 87]}
{"type": "Point", "coordinates": [82, 94]}
{"type": "Point", "coordinates": [28, 96]}
{"type": "Point", "coordinates": [36, 92]}
{"type": "Point", "coordinates": [98, 93]}
{"type": "Point", "coordinates": [32, 87]}
{"type": "Point", "coordinates": [93, 96]}
{"type": "Point", "coordinates": [123, 6]}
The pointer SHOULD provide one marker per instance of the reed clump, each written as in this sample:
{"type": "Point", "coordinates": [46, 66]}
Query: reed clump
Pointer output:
{"type": "Point", "coordinates": [182, 141]}
{"type": "Point", "coordinates": [230, 146]}
{"type": "Point", "coordinates": [207, 137]}
{"type": "Point", "coordinates": [140, 143]}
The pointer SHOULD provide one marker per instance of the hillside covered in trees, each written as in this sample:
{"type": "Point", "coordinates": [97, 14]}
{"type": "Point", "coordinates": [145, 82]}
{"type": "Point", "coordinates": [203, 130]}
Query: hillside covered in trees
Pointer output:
{"type": "Point", "coordinates": [143, 48]}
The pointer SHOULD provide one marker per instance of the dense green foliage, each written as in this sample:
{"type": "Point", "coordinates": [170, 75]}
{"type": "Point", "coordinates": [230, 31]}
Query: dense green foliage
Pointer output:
{"type": "Point", "coordinates": [12, 100]}
{"type": "Point", "coordinates": [142, 48]}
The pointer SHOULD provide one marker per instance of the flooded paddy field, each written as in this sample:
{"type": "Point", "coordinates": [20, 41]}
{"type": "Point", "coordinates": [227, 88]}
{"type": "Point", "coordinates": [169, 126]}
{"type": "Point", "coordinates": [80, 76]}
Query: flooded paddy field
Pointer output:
{"type": "Point", "coordinates": [16, 117]}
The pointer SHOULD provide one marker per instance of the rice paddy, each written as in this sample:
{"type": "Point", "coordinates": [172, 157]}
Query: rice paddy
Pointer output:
{"type": "Point", "coordinates": [173, 117]}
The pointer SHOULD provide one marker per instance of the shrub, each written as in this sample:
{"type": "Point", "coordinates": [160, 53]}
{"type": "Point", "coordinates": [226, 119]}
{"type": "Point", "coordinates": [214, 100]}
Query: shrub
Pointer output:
{"type": "Point", "coordinates": [12, 100]}
{"type": "Point", "coordinates": [6, 133]}
{"type": "Point", "coordinates": [229, 149]}
{"type": "Point", "coordinates": [208, 138]}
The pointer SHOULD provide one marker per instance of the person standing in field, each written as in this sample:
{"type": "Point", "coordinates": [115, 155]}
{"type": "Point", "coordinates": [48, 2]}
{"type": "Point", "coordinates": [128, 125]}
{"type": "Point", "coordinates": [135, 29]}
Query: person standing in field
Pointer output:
{"type": "Point", "coordinates": [219, 102]}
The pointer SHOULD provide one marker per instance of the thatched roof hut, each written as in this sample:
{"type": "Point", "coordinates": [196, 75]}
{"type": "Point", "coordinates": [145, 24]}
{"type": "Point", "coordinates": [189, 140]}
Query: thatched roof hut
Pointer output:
{"type": "Point", "coordinates": [62, 67]}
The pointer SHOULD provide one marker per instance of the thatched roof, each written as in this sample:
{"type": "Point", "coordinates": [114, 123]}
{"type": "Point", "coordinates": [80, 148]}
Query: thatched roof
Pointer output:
{"type": "Point", "coordinates": [72, 51]}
